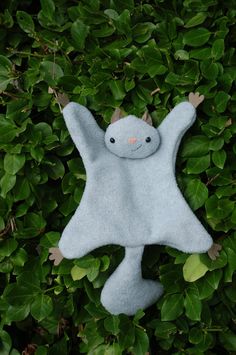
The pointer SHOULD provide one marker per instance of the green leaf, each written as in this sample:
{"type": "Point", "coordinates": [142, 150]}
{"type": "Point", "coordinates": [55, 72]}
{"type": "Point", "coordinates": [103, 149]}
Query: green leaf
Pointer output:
{"type": "Point", "coordinates": [196, 194]}
{"type": "Point", "coordinates": [143, 31]}
{"type": "Point", "coordinates": [25, 22]}
{"type": "Point", "coordinates": [196, 20]}
{"type": "Point", "coordinates": [20, 295]}
{"type": "Point", "coordinates": [218, 208]}
{"type": "Point", "coordinates": [41, 307]}
{"type": "Point", "coordinates": [79, 32]}
{"type": "Point", "coordinates": [221, 100]}
{"type": "Point", "coordinates": [207, 285]}
{"type": "Point", "coordinates": [209, 70]}
{"type": "Point", "coordinates": [216, 144]}
{"type": "Point", "coordinates": [17, 313]}
{"type": "Point", "coordinates": [7, 183]}
{"type": "Point", "coordinates": [194, 268]}
{"type": "Point", "coordinates": [77, 273]}
{"type": "Point", "coordinates": [196, 37]}
{"type": "Point", "coordinates": [127, 332]}
{"type": "Point", "coordinates": [19, 257]}
{"type": "Point", "coordinates": [117, 89]}
{"type": "Point", "coordinates": [7, 247]}
{"type": "Point", "coordinates": [5, 65]}
{"type": "Point", "coordinates": [48, 8]}
{"type": "Point", "coordinates": [181, 54]}
{"type": "Point", "coordinates": [55, 169]}
{"type": "Point", "coordinates": [218, 48]}
{"type": "Point", "coordinates": [195, 335]}
{"type": "Point", "coordinates": [231, 266]}
{"type": "Point", "coordinates": [51, 72]}
{"type": "Point", "coordinates": [8, 131]}
{"type": "Point", "coordinates": [141, 343]}
{"type": "Point", "coordinates": [219, 158]}
{"type": "Point", "coordinates": [21, 189]}
{"type": "Point", "coordinates": [163, 330]}
{"type": "Point", "coordinates": [195, 146]}
{"type": "Point", "coordinates": [192, 304]}
{"type": "Point", "coordinates": [111, 324]}
{"type": "Point", "coordinates": [228, 340]}
{"type": "Point", "coordinates": [4, 81]}
{"type": "Point", "coordinates": [198, 165]}
{"type": "Point", "coordinates": [219, 263]}
{"type": "Point", "coordinates": [13, 163]}
{"type": "Point", "coordinates": [200, 53]}
{"type": "Point", "coordinates": [172, 307]}
{"type": "Point", "coordinates": [5, 342]}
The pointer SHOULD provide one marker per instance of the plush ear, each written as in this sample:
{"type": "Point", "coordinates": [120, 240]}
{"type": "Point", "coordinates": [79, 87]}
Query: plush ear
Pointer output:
{"type": "Point", "coordinates": [147, 118]}
{"type": "Point", "coordinates": [117, 115]}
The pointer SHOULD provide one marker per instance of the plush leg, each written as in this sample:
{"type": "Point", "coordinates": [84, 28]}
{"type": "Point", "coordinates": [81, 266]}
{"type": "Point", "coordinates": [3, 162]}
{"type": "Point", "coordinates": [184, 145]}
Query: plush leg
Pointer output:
{"type": "Point", "coordinates": [126, 291]}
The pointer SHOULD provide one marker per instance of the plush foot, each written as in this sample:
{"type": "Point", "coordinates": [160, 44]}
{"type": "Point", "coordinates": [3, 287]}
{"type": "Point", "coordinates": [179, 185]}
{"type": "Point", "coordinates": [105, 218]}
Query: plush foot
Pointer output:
{"type": "Point", "coordinates": [213, 252]}
{"type": "Point", "coordinates": [56, 255]}
{"type": "Point", "coordinates": [128, 297]}
{"type": "Point", "coordinates": [126, 291]}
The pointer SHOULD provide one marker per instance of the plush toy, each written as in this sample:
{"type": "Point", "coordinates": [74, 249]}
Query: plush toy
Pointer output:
{"type": "Point", "coordinates": [131, 198]}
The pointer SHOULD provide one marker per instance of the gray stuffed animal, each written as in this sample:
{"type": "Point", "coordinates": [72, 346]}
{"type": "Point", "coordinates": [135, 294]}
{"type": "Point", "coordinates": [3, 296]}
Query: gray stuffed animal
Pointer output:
{"type": "Point", "coordinates": [131, 198]}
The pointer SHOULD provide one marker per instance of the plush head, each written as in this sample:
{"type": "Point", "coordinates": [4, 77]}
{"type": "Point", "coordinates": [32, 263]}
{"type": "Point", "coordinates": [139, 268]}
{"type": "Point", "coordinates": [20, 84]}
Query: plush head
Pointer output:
{"type": "Point", "coordinates": [131, 137]}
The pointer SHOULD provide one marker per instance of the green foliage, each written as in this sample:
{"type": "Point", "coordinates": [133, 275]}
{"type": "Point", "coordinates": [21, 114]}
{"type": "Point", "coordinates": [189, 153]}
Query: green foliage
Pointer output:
{"type": "Point", "coordinates": [105, 54]}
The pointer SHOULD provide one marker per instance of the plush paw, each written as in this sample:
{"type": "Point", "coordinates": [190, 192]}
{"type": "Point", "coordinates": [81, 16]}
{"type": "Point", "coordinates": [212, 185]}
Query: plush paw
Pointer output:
{"type": "Point", "coordinates": [56, 255]}
{"type": "Point", "coordinates": [195, 99]}
{"type": "Point", "coordinates": [213, 252]}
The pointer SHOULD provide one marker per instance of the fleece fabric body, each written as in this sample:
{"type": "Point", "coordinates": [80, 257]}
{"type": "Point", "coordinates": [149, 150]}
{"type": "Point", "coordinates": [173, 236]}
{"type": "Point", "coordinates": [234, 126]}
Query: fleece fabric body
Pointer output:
{"type": "Point", "coordinates": [131, 198]}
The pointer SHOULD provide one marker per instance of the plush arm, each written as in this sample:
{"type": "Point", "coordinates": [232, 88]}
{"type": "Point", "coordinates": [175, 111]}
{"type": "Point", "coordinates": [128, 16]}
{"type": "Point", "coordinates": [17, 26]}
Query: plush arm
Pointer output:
{"type": "Point", "coordinates": [174, 126]}
{"type": "Point", "coordinates": [86, 134]}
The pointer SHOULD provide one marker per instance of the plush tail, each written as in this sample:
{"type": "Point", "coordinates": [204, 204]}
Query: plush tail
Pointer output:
{"type": "Point", "coordinates": [126, 291]}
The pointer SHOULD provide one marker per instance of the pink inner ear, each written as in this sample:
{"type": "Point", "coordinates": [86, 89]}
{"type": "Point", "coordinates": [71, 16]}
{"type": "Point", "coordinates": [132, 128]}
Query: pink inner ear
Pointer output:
{"type": "Point", "coordinates": [117, 115]}
{"type": "Point", "coordinates": [147, 118]}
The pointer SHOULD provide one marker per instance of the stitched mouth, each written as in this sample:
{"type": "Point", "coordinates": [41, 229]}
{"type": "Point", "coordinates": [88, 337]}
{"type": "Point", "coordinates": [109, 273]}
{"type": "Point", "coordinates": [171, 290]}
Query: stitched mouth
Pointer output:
{"type": "Point", "coordinates": [134, 150]}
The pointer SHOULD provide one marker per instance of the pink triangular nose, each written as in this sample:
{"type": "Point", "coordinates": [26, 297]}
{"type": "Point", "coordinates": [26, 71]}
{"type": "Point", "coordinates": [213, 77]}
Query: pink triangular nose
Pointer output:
{"type": "Point", "coordinates": [132, 140]}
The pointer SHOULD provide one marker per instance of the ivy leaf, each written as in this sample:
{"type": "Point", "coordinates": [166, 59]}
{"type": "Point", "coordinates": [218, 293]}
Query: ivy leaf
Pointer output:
{"type": "Point", "coordinates": [231, 266]}
{"type": "Point", "coordinates": [8, 131]}
{"type": "Point", "coordinates": [143, 31]}
{"type": "Point", "coordinates": [13, 163]}
{"type": "Point", "coordinates": [77, 273]}
{"type": "Point", "coordinates": [111, 324]}
{"type": "Point", "coordinates": [7, 182]}
{"type": "Point", "coordinates": [51, 72]}
{"type": "Point", "coordinates": [221, 100]}
{"type": "Point", "coordinates": [41, 307]}
{"type": "Point", "coordinates": [7, 247]}
{"type": "Point", "coordinates": [198, 165]}
{"type": "Point", "coordinates": [219, 158]}
{"type": "Point", "coordinates": [217, 50]}
{"type": "Point", "coordinates": [192, 304]}
{"type": "Point", "coordinates": [208, 284]}
{"type": "Point", "coordinates": [48, 8]}
{"type": "Point", "coordinates": [218, 208]}
{"type": "Point", "coordinates": [228, 339]}
{"type": "Point", "coordinates": [79, 32]}
{"type": "Point", "coordinates": [172, 307]}
{"type": "Point", "coordinates": [196, 194]}
{"type": "Point", "coordinates": [25, 22]}
{"type": "Point", "coordinates": [141, 343]}
{"type": "Point", "coordinates": [196, 37]}
{"type": "Point", "coordinates": [196, 20]}
{"type": "Point", "coordinates": [194, 268]}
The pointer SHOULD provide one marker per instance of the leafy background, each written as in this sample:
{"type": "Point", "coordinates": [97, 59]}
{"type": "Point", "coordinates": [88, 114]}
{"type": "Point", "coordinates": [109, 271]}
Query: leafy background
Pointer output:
{"type": "Point", "coordinates": [105, 54]}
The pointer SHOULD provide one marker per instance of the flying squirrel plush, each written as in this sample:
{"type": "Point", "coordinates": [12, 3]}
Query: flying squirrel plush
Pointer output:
{"type": "Point", "coordinates": [131, 198]}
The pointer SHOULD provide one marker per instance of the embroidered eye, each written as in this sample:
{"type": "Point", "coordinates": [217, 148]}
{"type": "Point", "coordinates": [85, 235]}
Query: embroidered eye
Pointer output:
{"type": "Point", "coordinates": [112, 140]}
{"type": "Point", "coordinates": [148, 139]}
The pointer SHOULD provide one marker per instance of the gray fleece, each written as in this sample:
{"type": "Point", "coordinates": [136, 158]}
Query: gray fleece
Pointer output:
{"type": "Point", "coordinates": [131, 198]}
